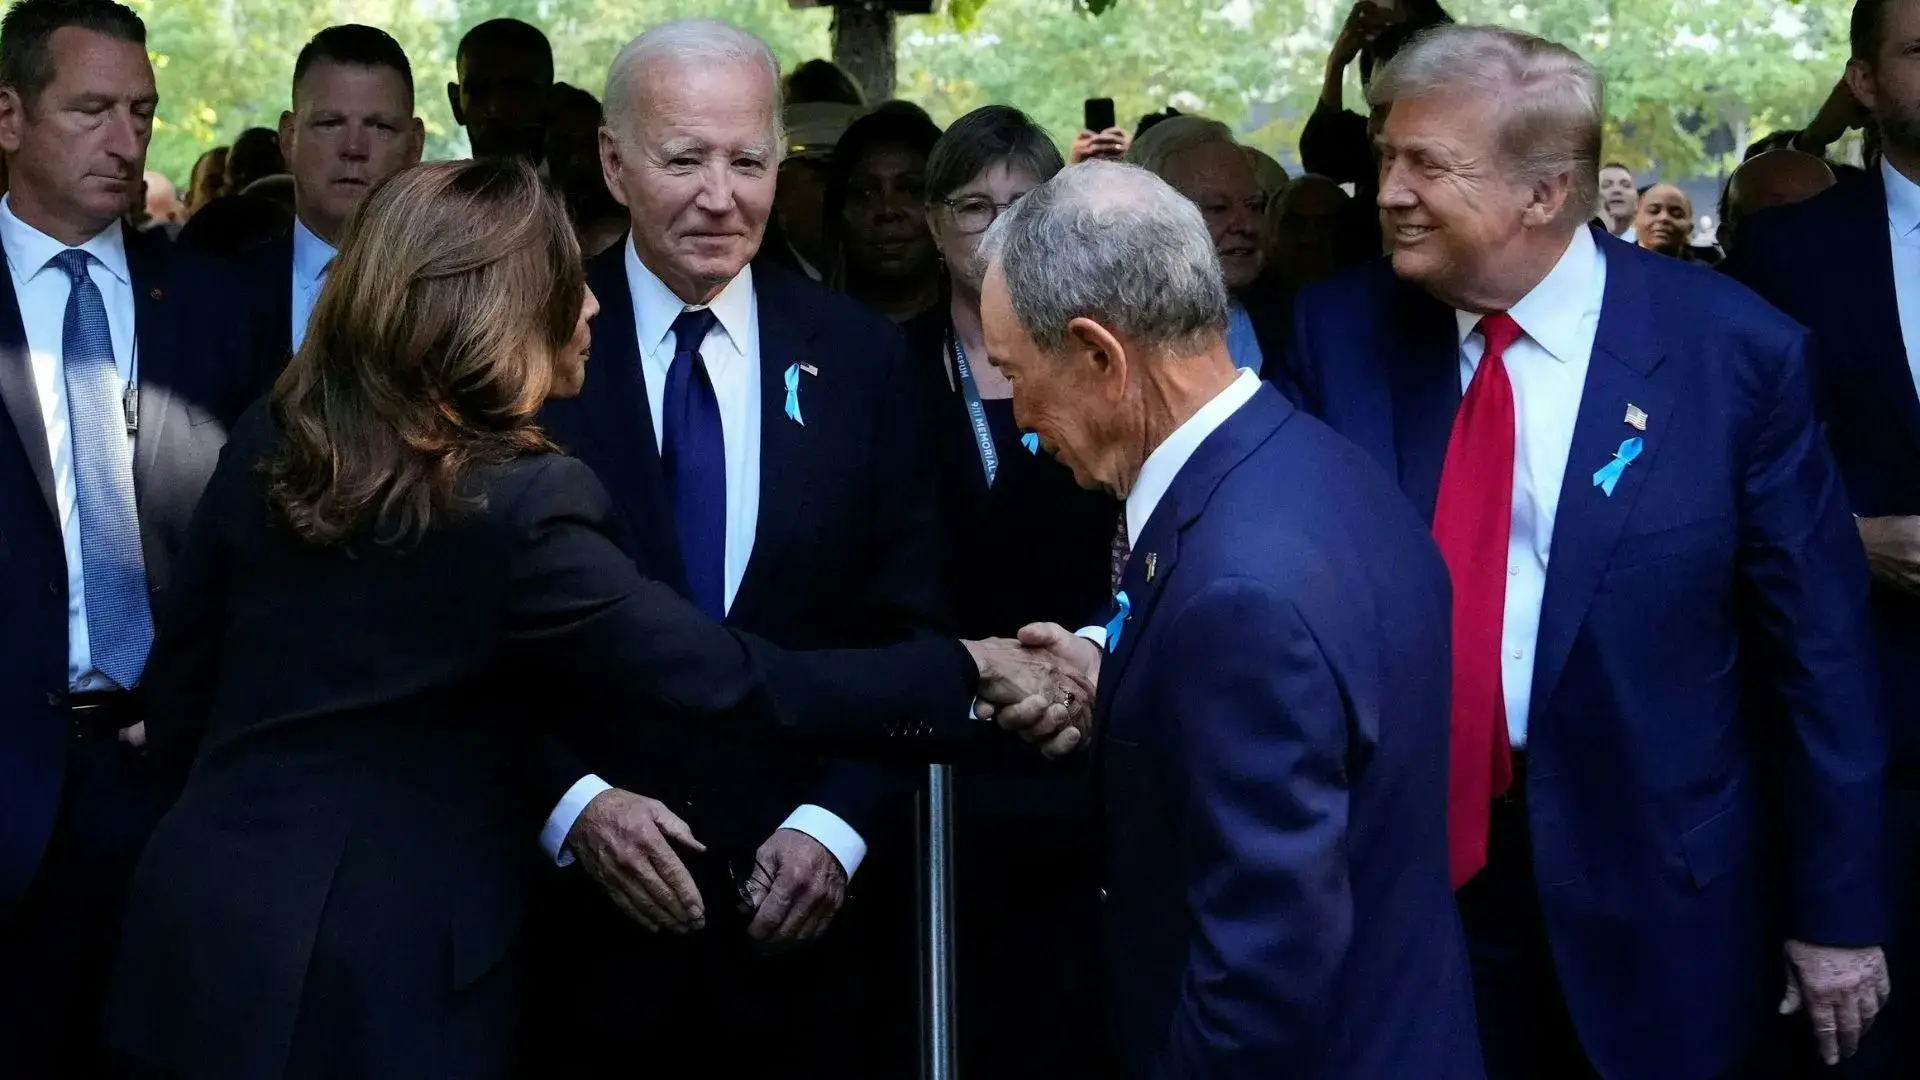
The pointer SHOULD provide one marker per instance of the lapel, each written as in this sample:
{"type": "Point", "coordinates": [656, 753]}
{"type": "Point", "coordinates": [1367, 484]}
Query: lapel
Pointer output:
{"type": "Point", "coordinates": [618, 422]}
{"type": "Point", "coordinates": [1159, 544]}
{"type": "Point", "coordinates": [277, 270]}
{"type": "Point", "coordinates": [1624, 369]}
{"type": "Point", "coordinates": [1872, 296]}
{"type": "Point", "coordinates": [18, 397]}
{"type": "Point", "coordinates": [1423, 349]}
{"type": "Point", "coordinates": [788, 450]}
{"type": "Point", "coordinates": [154, 330]}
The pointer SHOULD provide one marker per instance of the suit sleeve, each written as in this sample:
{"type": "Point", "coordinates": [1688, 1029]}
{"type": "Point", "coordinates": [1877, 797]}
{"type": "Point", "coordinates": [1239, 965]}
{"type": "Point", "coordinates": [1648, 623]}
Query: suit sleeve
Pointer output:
{"type": "Point", "coordinates": [1802, 559]}
{"type": "Point", "coordinates": [905, 591]}
{"type": "Point", "coordinates": [578, 612]}
{"type": "Point", "coordinates": [190, 614]}
{"type": "Point", "coordinates": [1263, 727]}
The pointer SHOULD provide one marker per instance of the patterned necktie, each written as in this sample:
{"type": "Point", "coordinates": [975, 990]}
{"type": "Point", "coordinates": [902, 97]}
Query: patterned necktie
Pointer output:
{"type": "Point", "coordinates": [119, 621]}
{"type": "Point", "coordinates": [1471, 524]}
{"type": "Point", "coordinates": [1117, 555]}
{"type": "Point", "coordinates": [693, 453]}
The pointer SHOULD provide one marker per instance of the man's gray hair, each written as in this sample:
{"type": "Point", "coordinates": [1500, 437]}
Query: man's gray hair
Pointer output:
{"type": "Point", "coordinates": [686, 41]}
{"type": "Point", "coordinates": [1115, 244]}
{"type": "Point", "coordinates": [1553, 103]}
{"type": "Point", "coordinates": [1157, 146]}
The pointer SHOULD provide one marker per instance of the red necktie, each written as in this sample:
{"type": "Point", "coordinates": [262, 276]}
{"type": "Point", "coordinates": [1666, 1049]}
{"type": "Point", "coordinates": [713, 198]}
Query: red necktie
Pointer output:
{"type": "Point", "coordinates": [1471, 523]}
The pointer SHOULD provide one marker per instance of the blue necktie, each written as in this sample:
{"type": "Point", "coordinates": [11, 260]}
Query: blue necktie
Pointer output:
{"type": "Point", "coordinates": [119, 622]}
{"type": "Point", "coordinates": [693, 452]}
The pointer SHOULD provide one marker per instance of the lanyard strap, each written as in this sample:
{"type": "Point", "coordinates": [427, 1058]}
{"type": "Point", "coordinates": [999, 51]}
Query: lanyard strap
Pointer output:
{"type": "Point", "coordinates": [976, 412]}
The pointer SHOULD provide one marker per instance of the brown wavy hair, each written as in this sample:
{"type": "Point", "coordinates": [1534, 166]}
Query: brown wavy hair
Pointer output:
{"type": "Point", "coordinates": [430, 351]}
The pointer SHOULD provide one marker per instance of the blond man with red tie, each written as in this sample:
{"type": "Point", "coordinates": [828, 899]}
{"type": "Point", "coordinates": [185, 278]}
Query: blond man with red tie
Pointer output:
{"type": "Point", "coordinates": [1667, 740]}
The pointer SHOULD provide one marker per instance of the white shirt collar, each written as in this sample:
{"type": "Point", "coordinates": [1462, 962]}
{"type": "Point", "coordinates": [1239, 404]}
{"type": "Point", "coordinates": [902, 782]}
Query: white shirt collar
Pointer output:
{"type": "Point", "coordinates": [1167, 459]}
{"type": "Point", "coordinates": [30, 250]}
{"type": "Point", "coordinates": [655, 306]}
{"type": "Point", "coordinates": [1903, 200]}
{"type": "Point", "coordinates": [311, 255]}
{"type": "Point", "coordinates": [1551, 313]}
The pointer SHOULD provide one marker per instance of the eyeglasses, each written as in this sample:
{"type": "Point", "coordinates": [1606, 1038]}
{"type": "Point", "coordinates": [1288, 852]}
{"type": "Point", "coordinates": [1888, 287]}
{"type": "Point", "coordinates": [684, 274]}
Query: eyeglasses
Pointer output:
{"type": "Point", "coordinates": [974, 213]}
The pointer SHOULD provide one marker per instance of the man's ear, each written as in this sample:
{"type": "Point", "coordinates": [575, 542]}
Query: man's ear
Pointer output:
{"type": "Point", "coordinates": [1549, 199]}
{"type": "Point", "coordinates": [1098, 353]}
{"type": "Point", "coordinates": [1860, 80]}
{"type": "Point", "coordinates": [610, 166]}
{"type": "Point", "coordinates": [13, 116]}
{"type": "Point", "coordinates": [286, 136]}
{"type": "Point", "coordinates": [453, 100]}
{"type": "Point", "coordinates": [417, 135]}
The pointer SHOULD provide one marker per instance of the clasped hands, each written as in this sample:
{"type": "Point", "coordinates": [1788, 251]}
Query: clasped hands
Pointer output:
{"type": "Point", "coordinates": [1040, 686]}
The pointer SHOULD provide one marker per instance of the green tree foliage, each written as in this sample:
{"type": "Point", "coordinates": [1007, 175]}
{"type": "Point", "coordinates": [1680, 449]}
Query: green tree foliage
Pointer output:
{"type": "Point", "coordinates": [1676, 69]}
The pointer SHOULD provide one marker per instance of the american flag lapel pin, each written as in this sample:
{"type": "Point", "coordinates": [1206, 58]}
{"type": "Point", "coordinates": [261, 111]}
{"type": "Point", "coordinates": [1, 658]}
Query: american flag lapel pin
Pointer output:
{"type": "Point", "coordinates": [810, 369]}
{"type": "Point", "coordinates": [1636, 417]}
{"type": "Point", "coordinates": [1153, 564]}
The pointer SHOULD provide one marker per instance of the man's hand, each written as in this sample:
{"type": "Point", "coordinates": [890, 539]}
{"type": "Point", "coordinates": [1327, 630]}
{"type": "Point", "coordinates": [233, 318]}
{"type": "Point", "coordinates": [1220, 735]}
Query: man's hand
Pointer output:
{"type": "Point", "coordinates": [626, 842]}
{"type": "Point", "coordinates": [1842, 991]}
{"type": "Point", "coordinates": [796, 889]}
{"type": "Point", "coordinates": [1893, 550]}
{"type": "Point", "coordinates": [1111, 144]}
{"type": "Point", "coordinates": [1030, 692]}
{"type": "Point", "coordinates": [1839, 114]}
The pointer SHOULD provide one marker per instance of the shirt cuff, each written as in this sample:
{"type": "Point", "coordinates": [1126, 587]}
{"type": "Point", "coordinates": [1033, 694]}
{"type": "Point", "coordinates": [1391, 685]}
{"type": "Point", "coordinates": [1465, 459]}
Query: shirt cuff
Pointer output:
{"type": "Point", "coordinates": [1095, 634]}
{"type": "Point", "coordinates": [834, 834]}
{"type": "Point", "coordinates": [553, 835]}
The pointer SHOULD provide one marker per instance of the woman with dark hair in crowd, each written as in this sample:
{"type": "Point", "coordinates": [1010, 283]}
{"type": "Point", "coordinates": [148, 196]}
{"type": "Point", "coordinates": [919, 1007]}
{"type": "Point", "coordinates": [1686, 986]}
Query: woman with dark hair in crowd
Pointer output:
{"type": "Point", "coordinates": [1026, 544]}
{"type": "Point", "coordinates": [208, 180]}
{"type": "Point", "coordinates": [876, 211]}
{"type": "Point", "coordinates": [393, 584]}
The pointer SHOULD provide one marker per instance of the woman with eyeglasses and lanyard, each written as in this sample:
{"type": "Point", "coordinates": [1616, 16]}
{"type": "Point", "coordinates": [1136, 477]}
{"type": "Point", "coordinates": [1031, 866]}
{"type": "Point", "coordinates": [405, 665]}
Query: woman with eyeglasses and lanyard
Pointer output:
{"type": "Point", "coordinates": [1025, 544]}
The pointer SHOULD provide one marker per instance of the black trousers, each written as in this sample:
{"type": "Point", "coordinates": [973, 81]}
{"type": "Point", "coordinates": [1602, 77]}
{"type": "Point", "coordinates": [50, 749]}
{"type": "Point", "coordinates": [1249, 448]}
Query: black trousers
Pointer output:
{"type": "Point", "coordinates": [1526, 1032]}
{"type": "Point", "coordinates": [605, 997]}
{"type": "Point", "coordinates": [57, 949]}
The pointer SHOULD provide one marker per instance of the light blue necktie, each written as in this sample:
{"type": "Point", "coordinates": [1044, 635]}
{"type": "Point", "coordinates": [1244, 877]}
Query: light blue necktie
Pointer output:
{"type": "Point", "coordinates": [119, 622]}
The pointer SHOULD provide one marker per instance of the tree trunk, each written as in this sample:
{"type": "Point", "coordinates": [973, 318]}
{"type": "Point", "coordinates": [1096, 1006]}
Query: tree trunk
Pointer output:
{"type": "Point", "coordinates": [863, 47]}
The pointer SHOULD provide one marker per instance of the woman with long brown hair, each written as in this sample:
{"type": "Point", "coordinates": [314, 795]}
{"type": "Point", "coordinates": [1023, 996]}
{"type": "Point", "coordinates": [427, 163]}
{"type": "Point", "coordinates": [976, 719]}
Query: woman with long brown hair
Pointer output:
{"type": "Point", "coordinates": [393, 585]}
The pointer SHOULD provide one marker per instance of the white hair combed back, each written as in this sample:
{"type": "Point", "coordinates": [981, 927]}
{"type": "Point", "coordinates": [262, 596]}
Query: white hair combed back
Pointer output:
{"type": "Point", "coordinates": [686, 41]}
{"type": "Point", "coordinates": [1156, 147]}
{"type": "Point", "coordinates": [1115, 244]}
{"type": "Point", "coordinates": [1553, 103]}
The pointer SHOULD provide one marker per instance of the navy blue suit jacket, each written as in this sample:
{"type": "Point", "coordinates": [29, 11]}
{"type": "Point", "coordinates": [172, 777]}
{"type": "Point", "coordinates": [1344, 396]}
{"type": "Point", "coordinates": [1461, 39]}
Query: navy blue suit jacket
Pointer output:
{"type": "Point", "coordinates": [1272, 746]}
{"type": "Point", "coordinates": [1679, 834]}
{"type": "Point", "coordinates": [845, 552]}
{"type": "Point", "coordinates": [199, 367]}
{"type": "Point", "coordinates": [1828, 263]}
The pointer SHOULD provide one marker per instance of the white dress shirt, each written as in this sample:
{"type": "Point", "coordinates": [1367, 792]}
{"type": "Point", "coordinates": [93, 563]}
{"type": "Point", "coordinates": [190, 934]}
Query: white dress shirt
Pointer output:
{"type": "Point", "coordinates": [311, 257]}
{"type": "Point", "coordinates": [1548, 369]}
{"type": "Point", "coordinates": [732, 355]}
{"type": "Point", "coordinates": [42, 290]}
{"type": "Point", "coordinates": [1903, 226]}
{"type": "Point", "coordinates": [1163, 465]}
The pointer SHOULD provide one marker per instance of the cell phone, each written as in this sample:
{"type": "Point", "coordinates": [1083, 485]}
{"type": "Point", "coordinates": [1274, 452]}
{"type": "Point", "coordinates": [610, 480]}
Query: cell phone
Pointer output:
{"type": "Point", "coordinates": [1098, 116]}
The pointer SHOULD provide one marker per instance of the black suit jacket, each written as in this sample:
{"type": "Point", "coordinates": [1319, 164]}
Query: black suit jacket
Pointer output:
{"type": "Point", "coordinates": [342, 877]}
{"type": "Point", "coordinates": [1828, 263]}
{"type": "Point", "coordinates": [268, 270]}
{"type": "Point", "coordinates": [199, 366]}
{"type": "Point", "coordinates": [845, 554]}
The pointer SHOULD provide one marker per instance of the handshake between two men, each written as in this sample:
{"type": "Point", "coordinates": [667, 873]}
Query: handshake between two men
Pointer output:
{"type": "Point", "coordinates": [1040, 686]}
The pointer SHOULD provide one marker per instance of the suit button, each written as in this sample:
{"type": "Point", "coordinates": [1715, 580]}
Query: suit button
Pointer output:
{"type": "Point", "coordinates": [55, 698]}
{"type": "Point", "coordinates": [53, 587]}
{"type": "Point", "coordinates": [1103, 896]}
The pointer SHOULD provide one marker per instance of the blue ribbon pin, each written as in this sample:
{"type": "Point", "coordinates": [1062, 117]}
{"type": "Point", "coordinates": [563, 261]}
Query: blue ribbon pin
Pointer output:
{"type": "Point", "coordinates": [1609, 474]}
{"type": "Point", "coordinates": [793, 395]}
{"type": "Point", "coordinates": [1119, 621]}
{"type": "Point", "coordinates": [1031, 440]}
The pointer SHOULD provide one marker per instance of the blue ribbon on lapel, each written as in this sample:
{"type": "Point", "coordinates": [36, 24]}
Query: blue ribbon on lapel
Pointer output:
{"type": "Point", "coordinates": [1609, 474]}
{"type": "Point", "coordinates": [1031, 440]}
{"type": "Point", "coordinates": [1123, 610]}
{"type": "Point", "coordinates": [793, 395]}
